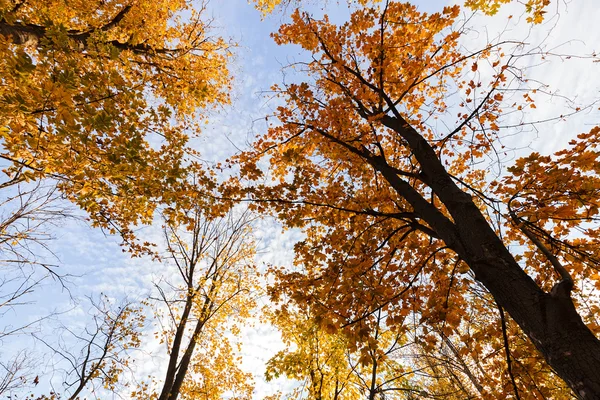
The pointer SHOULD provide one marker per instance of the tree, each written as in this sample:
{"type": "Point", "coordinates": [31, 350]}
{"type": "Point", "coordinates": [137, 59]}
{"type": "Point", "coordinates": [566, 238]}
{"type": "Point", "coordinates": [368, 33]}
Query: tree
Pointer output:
{"type": "Point", "coordinates": [101, 97]}
{"type": "Point", "coordinates": [383, 193]}
{"type": "Point", "coordinates": [97, 99]}
{"type": "Point", "coordinates": [28, 214]}
{"type": "Point", "coordinates": [198, 319]}
{"type": "Point", "coordinates": [94, 358]}
{"type": "Point", "coordinates": [213, 258]}
{"type": "Point", "coordinates": [16, 372]}
{"type": "Point", "coordinates": [331, 367]}
{"type": "Point", "coordinates": [486, 357]}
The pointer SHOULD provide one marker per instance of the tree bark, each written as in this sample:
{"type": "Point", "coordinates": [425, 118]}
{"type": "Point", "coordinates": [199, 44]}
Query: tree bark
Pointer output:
{"type": "Point", "coordinates": [185, 363]}
{"type": "Point", "coordinates": [176, 347]}
{"type": "Point", "coordinates": [175, 378]}
{"type": "Point", "coordinates": [550, 320]}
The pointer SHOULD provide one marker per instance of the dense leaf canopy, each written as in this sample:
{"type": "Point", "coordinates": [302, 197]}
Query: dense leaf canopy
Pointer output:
{"type": "Point", "coordinates": [102, 96]}
{"type": "Point", "coordinates": [420, 274]}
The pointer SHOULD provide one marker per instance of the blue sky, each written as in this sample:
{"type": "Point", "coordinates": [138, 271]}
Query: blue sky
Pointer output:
{"type": "Point", "coordinates": [95, 261]}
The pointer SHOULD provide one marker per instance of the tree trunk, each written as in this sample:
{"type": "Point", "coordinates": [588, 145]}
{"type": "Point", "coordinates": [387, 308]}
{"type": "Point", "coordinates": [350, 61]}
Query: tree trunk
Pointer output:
{"type": "Point", "coordinates": [176, 347]}
{"type": "Point", "coordinates": [550, 320]}
{"type": "Point", "coordinates": [185, 363]}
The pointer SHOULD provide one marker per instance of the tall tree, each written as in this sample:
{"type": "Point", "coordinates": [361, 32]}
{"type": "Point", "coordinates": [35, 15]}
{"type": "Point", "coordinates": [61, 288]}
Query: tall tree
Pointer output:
{"type": "Point", "coordinates": [217, 282]}
{"type": "Point", "coordinates": [207, 292]}
{"type": "Point", "coordinates": [102, 96]}
{"type": "Point", "coordinates": [382, 192]}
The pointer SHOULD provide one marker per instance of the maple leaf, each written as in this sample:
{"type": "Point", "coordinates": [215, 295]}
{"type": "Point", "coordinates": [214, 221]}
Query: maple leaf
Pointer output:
{"type": "Point", "coordinates": [535, 8]}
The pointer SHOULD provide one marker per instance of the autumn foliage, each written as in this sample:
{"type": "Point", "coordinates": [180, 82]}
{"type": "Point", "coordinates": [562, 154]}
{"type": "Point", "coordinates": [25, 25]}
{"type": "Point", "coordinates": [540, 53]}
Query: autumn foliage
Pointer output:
{"type": "Point", "coordinates": [401, 219]}
{"type": "Point", "coordinates": [423, 272]}
{"type": "Point", "coordinates": [102, 96]}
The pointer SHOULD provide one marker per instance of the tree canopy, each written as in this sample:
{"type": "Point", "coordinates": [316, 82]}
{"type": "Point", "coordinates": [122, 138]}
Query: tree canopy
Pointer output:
{"type": "Point", "coordinates": [430, 266]}
{"type": "Point", "coordinates": [102, 96]}
{"type": "Point", "coordinates": [398, 214]}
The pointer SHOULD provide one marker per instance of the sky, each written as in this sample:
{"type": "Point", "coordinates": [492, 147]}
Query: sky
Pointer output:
{"type": "Point", "coordinates": [95, 263]}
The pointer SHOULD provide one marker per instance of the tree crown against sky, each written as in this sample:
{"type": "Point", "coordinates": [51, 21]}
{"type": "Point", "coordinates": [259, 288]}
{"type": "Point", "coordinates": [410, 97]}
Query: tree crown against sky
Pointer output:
{"type": "Point", "coordinates": [103, 96]}
{"type": "Point", "coordinates": [396, 206]}
{"type": "Point", "coordinates": [355, 152]}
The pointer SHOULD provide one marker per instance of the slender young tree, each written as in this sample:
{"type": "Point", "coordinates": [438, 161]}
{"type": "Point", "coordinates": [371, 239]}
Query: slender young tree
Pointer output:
{"type": "Point", "coordinates": [208, 290]}
{"type": "Point", "coordinates": [93, 359]}
{"type": "Point", "coordinates": [217, 281]}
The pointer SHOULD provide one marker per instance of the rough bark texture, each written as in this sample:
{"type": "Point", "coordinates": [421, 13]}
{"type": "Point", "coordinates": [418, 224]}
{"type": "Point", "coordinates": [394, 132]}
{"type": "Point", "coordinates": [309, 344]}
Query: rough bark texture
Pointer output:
{"type": "Point", "coordinates": [549, 319]}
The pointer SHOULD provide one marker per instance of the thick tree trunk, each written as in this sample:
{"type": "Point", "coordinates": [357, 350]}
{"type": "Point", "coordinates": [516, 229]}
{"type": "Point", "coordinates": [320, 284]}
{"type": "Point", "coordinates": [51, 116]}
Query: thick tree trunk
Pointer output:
{"type": "Point", "coordinates": [550, 320]}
